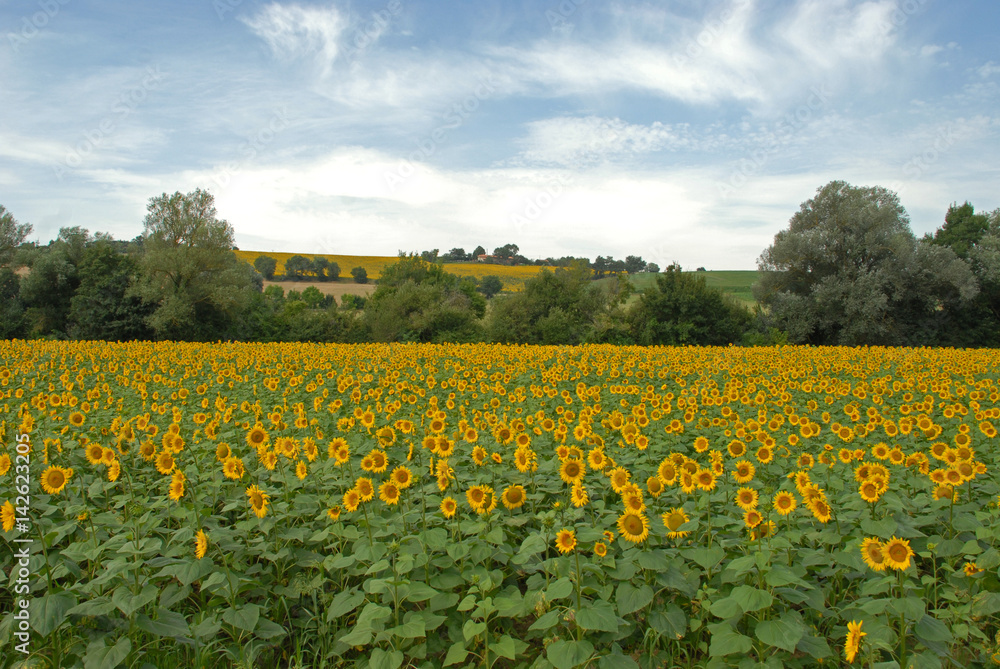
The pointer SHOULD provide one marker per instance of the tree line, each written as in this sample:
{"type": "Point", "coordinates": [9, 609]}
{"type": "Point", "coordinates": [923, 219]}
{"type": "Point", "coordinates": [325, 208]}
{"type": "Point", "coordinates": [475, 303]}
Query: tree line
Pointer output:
{"type": "Point", "coordinates": [847, 271]}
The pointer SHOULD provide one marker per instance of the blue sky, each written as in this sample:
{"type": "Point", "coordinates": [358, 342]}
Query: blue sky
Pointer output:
{"type": "Point", "coordinates": [680, 131]}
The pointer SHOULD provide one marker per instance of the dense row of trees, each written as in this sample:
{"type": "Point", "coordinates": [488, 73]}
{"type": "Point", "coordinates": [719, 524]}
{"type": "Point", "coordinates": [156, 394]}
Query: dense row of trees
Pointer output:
{"type": "Point", "coordinates": [509, 254]}
{"type": "Point", "coordinates": [848, 270]}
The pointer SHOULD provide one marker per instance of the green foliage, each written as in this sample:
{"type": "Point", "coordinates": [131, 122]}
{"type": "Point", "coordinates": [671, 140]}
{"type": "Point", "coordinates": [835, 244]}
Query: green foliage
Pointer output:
{"type": "Point", "coordinates": [360, 275]}
{"type": "Point", "coordinates": [266, 265]}
{"type": "Point", "coordinates": [102, 306]}
{"type": "Point", "coordinates": [849, 271]}
{"type": "Point", "coordinates": [561, 307]}
{"type": "Point", "coordinates": [682, 310]}
{"type": "Point", "coordinates": [418, 300]}
{"type": "Point", "coordinates": [297, 267]}
{"type": "Point", "coordinates": [12, 235]}
{"type": "Point", "coordinates": [197, 286]}
{"type": "Point", "coordinates": [11, 308]}
{"type": "Point", "coordinates": [962, 229]}
{"type": "Point", "coordinates": [490, 285]}
{"type": "Point", "coordinates": [48, 288]}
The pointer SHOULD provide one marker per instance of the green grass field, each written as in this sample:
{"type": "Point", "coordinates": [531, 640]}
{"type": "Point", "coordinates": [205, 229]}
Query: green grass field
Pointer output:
{"type": "Point", "coordinates": [736, 283]}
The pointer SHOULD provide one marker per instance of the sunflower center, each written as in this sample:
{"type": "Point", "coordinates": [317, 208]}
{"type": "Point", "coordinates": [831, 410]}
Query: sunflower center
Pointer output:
{"type": "Point", "coordinates": [632, 524]}
{"type": "Point", "coordinates": [674, 521]}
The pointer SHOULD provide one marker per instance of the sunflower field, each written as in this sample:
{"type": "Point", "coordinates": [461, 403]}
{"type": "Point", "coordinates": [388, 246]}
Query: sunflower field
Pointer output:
{"type": "Point", "coordinates": [298, 505]}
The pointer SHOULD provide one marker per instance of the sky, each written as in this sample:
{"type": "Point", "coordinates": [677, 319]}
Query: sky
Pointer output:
{"type": "Point", "coordinates": [681, 131]}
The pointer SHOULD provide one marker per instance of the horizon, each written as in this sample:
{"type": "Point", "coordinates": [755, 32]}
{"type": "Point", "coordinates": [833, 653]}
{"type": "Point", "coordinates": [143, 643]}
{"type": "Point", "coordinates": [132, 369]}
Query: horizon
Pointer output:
{"type": "Point", "coordinates": [687, 133]}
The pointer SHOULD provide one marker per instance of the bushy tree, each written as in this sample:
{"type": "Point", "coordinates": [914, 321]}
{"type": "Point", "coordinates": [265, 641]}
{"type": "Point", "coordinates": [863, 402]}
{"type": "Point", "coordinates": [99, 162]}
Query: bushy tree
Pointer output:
{"type": "Point", "coordinates": [297, 267]}
{"type": "Point", "coordinates": [681, 310]}
{"type": "Point", "coordinates": [420, 301]}
{"type": "Point", "coordinates": [849, 271]}
{"type": "Point", "coordinates": [266, 265]}
{"type": "Point", "coordinates": [48, 289]}
{"type": "Point", "coordinates": [103, 306]}
{"type": "Point", "coordinates": [11, 308]}
{"type": "Point", "coordinates": [360, 275]}
{"type": "Point", "coordinates": [962, 229]}
{"type": "Point", "coordinates": [12, 235]}
{"type": "Point", "coordinates": [490, 285]}
{"type": "Point", "coordinates": [634, 264]}
{"type": "Point", "coordinates": [189, 273]}
{"type": "Point", "coordinates": [560, 307]}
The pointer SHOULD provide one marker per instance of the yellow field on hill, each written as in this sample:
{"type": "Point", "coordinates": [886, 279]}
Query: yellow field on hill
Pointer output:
{"type": "Point", "coordinates": [513, 277]}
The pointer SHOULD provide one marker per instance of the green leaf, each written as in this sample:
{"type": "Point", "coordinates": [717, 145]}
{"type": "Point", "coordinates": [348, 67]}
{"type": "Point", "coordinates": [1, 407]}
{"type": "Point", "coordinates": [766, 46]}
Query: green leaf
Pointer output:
{"type": "Point", "coordinates": [107, 657]}
{"type": "Point", "coordinates": [930, 629]}
{"type": "Point", "coordinates": [456, 654]}
{"type": "Point", "coordinates": [726, 641]}
{"type": "Point", "coordinates": [617, 662]}
{"type": "Point", "coordinates": [167, 623]}
{"type": "Point", "coordinates": [780, 633]}
{"type": "Point", "coordinates": [383, 659]}
{"type": "Point", "coordinates": [471, 629]}
{"type": "Point", "coordinates": [99, 606]}
{"type": "Point", "coordinates": [780, 575]}
{"type": "Point", "coordinates": [630, 598]}
{"type": "Point", "coordinates": [750, 598]}
{"type": "Point", "coordinates": [599, 615]}
{"type": "Point", "coordinates": [49, 612]}
{"type": "Point", "coordinates": [706, 558]}
{"type": "Point", "coordinates": [884, 528]}
{"type": "Point", "coordinates": [504, 647]}
{"type": "Point", "coordinates": [267, 629]}
{"type": "Point", "coordinates": [467, 603]}
{"type": "Point", "coordinates": [814, 646]}
{"type": "Point", "coordinates": [569, 654]}
{"type": "Point", "coordinates": [128, 603]}
{"type": "Point", "coordinates": [545, 622]}
{"type": "Point", "coordinates": [343, 603]}
{"type": "Point", "coordinates": [420, 592]}
{"type": "Point", "coordinates": [727, 607]}
{"type": "Point", "coordinates": [671, 623]}
{"type": "Point", "coordinates": [411, 629]}
{"type": "Point", "coordinates": [361, 635]}
{"type": "Point", "coordinates": [985, 604]}
{"type": "Point", "coordinates": [244, 617]}
{"type": "Point", "coordinates": [559, 589]}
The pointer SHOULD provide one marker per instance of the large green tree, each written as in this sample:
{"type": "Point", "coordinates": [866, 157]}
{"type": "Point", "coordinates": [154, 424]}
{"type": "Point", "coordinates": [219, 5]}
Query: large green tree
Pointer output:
{"type": "Point", "coordinates": [682, 310]}
{"type": "Point", "coordinates": [48, 288]}
{"type": "Point", "coordinates": [103, 306]}
{"type": "Point", "coordinates": [189, 273]}
{"type": "Point", "coordinates": [12, 235]}
{"type": "Point", "coordinates": [848, 270]}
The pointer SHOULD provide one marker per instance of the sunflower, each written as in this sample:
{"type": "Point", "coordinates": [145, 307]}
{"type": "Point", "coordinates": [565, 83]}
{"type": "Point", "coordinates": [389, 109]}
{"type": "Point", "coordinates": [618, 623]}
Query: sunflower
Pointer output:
{"type": "Point", "coordinates": [479, 455]}
{"type": "Point", "coordinates": [380, 462]}
{"type": "Point", "coordinates": [513, 497]}
{"type": "Point", "coordinates": [258, 500]}
{"type": "Point", "coordinates": [701, 444]}
{"type": "Point", "coordinates": [853, 641]}
{"type": "Point", "coordinates": [233, 468]}
{"type": "Point", "coordinates": [269, 459]}
{"type": "Point", "coordinates": [744, 472]}
{"type": "Point", "coordinates": [736, 448]}
{"type": "Point", "coordinates": [597, 460]}
{"type": "Point", "coordinates": [746, 498]}
{"type": "Point", "coordinates": [600, 549]}
{"type": "Point", "coordinates": [765, 529]}
{"type": "Point", "coordinates": [351, 499]}
{"type": "Point", "coordinates": [147, 450]}
{"type": "Point", "coordinates": [897, 553]}
{"type": "Point", "coordinates": [200, 544]}
{"type": "Point", "coordinates": [945, 491]}
{"type": "Point", "coordinates": [764, 454]}
{"type": "Point", "coordinates": [673, 520]}
{"type": "Point", "coordinates": [784, 502]}
{"type": "Point", "coordinates": [177, 486]}
{"type": "Point", "coordinates": [257, 436]}
{"type": "Point", "coordinates": [165, 463]}
{"type": "Point", "coordinates": [222, 451]}
{"type": "Point", "coordinates": [667, 472]}
{"type": "Point", "coordinates": [972, 569]}
{"type": "Point", "coordinates": [94, 453]}
{"type": "Point", "coordinates": [476, 496]}
{"type": "Point", "coordinates": [333, 513]}
{"type": "Point", "coordinates": [752, 518]}
{"type": "Point", "coordinates": [805, 461]}
{"type": "Point", "coordinates": [388, 492]}
{"type": "Point", "coordinates": [705, 480]}
{"type": "Point", "coordinates": [874, 556]}
{"type": "Point", "coordinates": [402, 477]}
{"type": "Point", "coordinates": [632, 501]}
{"type": "Point", "coordinates": [633, 527]}
{"type": "Point", "coordinates": [54, 479]}
{"type": "Point", "coordinates": [365, 488]}
{"type": "Point", "coordinates": [571, 471]}
{"type": "Point", "coordinates": [619, 479]}
{"type": "Point", "coordinates": [654, 486]}
{"type": "Point", "coordinates": [821, 510]}
{"type": "Point", "coordinates": [565, 541]}
{"type": "Point", "coordinates": [76, 419]}
{"type": "Point", "coordinates": [301, 470]}
{"type": "Point", "coordinates": [7, 516]}
{"type": "Point", "coordinates": [870, 491]}
{"type": "Point", "coordinates": [114, 471]}
{"type": "Point", "coordinates": [448, 507]}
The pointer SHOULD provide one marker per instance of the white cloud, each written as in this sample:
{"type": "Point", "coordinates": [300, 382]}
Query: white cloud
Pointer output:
{"type": "Point", "coordinates": [988, 70]}
{"type": "Point", "coordinates": [573, 141]}
{"type": "Point", "coordinates": [930, 49]}
{"type": "Point", "coordinates": [294, 31]}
